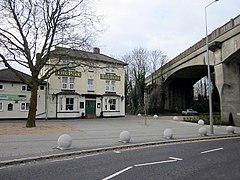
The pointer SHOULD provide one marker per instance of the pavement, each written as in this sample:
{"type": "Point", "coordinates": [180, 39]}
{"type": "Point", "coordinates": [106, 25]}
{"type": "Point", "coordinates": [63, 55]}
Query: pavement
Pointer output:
{"type": "Point", "coordinates": [94, 135]}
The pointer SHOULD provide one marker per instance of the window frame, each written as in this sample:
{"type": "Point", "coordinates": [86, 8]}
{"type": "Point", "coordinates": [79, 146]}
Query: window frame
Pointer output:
{"type": "Point", "coordinates": [1, 89]}
{"type": "Point", "coordinates": [26, 106]}
{"type": "Point", "coordinates": [90, 86]}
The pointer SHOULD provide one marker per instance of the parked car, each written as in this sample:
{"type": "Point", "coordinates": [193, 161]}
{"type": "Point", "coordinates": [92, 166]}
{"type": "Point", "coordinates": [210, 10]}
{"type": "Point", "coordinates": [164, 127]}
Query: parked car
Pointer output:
{"type": "Point", "coordinates": [189, 112]}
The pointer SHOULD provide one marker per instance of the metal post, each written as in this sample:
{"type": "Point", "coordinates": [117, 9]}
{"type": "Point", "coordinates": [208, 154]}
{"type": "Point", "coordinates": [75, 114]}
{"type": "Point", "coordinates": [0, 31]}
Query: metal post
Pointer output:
{"type": "Point", "coordinates": [209, 73]}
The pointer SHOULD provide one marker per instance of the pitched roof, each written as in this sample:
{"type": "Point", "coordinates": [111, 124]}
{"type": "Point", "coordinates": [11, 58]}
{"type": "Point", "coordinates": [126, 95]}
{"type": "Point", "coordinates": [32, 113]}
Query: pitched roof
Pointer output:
{"type": "Point", "coordinates": [6, 75]}
{"type": "Point", "coordinates": [79, 54]}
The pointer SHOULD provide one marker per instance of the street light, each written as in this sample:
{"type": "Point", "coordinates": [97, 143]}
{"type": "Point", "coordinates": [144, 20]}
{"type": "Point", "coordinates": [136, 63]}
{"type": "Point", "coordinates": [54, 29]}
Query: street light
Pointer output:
{"type": "Point", "coordinates": [209, 73]}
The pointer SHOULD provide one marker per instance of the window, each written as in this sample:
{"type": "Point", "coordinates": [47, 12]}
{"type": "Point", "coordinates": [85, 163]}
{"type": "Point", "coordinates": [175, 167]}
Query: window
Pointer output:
{"type": "Point", "coordinates": [106, 104]}
{"type": "Point", "coordinates": [112, 103]}
{"type": "Point", "coordinates": [25, 106]}
{"type": "Point", "coordinates": [64, 82]}
{"type": "Point", "coordinates": [81, 105]}
{"type": "Point", "coordinates": [69, 104]}
{"type": "Point", "coordinates": [113, 86]}
{"type": "Point", "coordinates": [71, 83]}
{"type": "Point", "coordinates": [41, 87]}
{"type": "Point", "coordinates": [1, 87]}
{"type": "Point", "coordinates": [110, 87]}
{"type": "Point", "coordinates": [68, 83]}
{"type": "Point", "coordinates": [90, 68]}
{"type": "Point", "coordinates": [10, 107]}
{"type": "Point", "coordinates": [1, 106]}
{"type": "Point", "coordinates": [90, 85]}
{"type": "Point", "coordinates": [24, 88]}
{"type": "Point", "coordinates": [107, 85]}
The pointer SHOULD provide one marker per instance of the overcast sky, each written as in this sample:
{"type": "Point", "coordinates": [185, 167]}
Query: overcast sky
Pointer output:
{"type": "Point", "coordinates": [169, 25]}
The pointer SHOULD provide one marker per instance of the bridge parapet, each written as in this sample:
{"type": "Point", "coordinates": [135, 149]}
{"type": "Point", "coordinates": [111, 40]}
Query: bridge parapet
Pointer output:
{"type": "Point", "coordinates": [200, 44]}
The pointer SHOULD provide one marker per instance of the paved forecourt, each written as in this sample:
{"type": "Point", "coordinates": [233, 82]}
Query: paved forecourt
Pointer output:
{"type": "Point", "coordinates": [95, 133]}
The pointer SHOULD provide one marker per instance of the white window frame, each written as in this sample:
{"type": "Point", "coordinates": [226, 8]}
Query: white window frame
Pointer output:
{"type": "Point", "coordinates": [71, 83]}
{"type": "Point", "coordinates": [1, 89]}
{"type": "Point", "coordinates": [1, 106]}
{"type": "Point", "coordinates": [113, 86]}
{"type": "Point", "coordinates": [64, 83]}
{"type": "Point", "coordinates": [24, 88]}
{"type": "Point", "coordinates": [107, 84]}
{"type": "Point", "coordinates": [69, 103]}
{"type": "Point", "coordinates": [112, 104]}
{"type": "Point", "coordinates": [24, 106]}
{"type": "Point", "coordinates": [90, 85]}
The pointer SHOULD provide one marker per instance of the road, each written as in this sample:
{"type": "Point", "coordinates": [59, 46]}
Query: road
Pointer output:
{"type": "Point", "coordinates": [209, 159]}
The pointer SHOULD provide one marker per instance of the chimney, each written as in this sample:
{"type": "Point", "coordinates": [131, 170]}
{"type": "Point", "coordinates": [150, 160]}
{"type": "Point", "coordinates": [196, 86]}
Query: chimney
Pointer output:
{"type": "Point", "coordinates": [96, 50]}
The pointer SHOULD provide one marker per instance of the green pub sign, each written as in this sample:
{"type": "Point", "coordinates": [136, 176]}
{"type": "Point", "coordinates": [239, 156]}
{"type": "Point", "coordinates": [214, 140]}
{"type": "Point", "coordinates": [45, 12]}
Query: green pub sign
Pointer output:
{"type": "Point", "coordinates": [110, 77]}
{"type": "Point", "coordinates": [68, 73]}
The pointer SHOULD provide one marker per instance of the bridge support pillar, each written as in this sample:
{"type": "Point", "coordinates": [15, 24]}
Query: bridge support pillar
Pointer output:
{"type": "Point", "coordinates": [228, 84]}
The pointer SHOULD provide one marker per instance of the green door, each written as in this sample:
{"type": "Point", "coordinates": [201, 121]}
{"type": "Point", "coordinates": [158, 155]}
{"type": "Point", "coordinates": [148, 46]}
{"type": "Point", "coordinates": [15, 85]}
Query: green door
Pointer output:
{"type": "Point", "coordinates": [90, 107]}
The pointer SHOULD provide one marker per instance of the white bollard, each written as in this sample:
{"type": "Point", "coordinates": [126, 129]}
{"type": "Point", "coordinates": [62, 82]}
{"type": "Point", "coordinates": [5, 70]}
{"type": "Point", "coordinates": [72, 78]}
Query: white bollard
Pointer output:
{"type": "Point", "coordinates": [168, 133]}
{"type": "Point", "coordinates": [139, 115]}
{"type": "Point", "coordinates": [64, 142]}
{"type": "Point", "coordinates": [202, 131]}
{"type": "Point", "coordinates": [125, 137]}
{"type": "Point", "coordinates": [201, 122]}
{"type": "Point", "coordinates": [230, 129]}
{"type": "Point", "coordinates": [155, 116]}
{"type": "Point", "coordinates": [175, 118]}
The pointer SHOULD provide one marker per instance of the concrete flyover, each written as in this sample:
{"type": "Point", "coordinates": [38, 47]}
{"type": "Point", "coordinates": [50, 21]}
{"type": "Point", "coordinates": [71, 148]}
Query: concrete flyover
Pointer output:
{"type": "Point", "coordinates": [181, 73]}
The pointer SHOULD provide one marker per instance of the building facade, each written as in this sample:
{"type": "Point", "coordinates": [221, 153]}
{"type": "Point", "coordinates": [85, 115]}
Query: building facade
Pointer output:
{"type": "Point", "coordinates": [15, 97]}
{"type": "Point", "coordinates": [91, 86]}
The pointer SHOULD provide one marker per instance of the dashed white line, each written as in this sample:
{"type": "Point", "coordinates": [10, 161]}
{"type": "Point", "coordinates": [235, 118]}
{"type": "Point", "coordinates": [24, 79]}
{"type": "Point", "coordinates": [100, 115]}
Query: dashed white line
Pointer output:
{"type": "Point", "coordinates": [153, 163]}
{"type": "Point", "coordinates": [174, 158]}
{"type": "Point", "coordinates": [117, 173]}
{"type": "Point", "coordinates": [212, 150]}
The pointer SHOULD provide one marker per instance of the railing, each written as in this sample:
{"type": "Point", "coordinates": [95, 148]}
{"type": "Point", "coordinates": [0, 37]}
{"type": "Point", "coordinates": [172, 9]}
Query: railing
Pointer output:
{"type": "Point", "coordinates": [215, 34]}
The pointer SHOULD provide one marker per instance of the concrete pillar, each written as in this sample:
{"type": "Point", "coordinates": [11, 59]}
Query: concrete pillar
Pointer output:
{"type": "Point", "coordinates": [228, 84]}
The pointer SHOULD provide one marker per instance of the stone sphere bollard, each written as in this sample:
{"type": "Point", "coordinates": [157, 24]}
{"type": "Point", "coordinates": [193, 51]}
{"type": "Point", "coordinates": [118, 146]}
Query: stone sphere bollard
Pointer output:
{"type": "Point", "coordinates": [230, 129]}
{"type": "Point", "coordinates": [64, 141]}
{"type": "Point", "coordinates": [139, 115]}
{"type": "Point", "coordinates": [202, 131]}
{"type": "Point", "coordinates": [175, 118]}
{"type": "Point", "coordinates": [125, 137]}
{"type": "Point", "coordinates": [201, 122]}
{"type": "Point", "coordinates": [168, 133]}
{"type": "Point", "coordinates": [155, 116]}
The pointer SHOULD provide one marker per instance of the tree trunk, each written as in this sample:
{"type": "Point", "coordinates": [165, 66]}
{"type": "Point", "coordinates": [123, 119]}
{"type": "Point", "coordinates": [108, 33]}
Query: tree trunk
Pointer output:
{"type": "Point", "coordinates": [33, 107]}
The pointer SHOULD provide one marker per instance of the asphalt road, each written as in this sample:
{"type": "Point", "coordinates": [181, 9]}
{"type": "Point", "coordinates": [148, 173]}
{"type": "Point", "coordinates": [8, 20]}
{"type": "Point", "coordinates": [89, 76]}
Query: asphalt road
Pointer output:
{"type": "Point", "coordinates": [214, 159]}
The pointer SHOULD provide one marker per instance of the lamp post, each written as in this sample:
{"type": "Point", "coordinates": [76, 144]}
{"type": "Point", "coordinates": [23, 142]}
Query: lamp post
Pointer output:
{"type": "Point", "coordinates": [209, 72]}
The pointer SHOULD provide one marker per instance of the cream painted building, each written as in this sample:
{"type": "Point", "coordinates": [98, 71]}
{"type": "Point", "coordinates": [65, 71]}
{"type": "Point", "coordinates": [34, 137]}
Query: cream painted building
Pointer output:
{"type": "Point", "coordinates": [93, 87]}
{"type": "Point", "coordinates": [15, 97]}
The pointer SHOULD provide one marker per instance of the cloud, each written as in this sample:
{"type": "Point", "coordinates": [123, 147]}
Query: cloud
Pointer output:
{"type": "Point", "coordinates": [171, 26]}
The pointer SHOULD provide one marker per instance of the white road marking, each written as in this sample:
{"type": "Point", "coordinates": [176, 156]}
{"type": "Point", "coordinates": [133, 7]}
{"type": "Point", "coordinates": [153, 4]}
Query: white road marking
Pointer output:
{"type": "Point", "coordinates": [153, 163]}
{"type": "Point", "coordinates": [174, 158]}
{"type": "Point", "coordinates": [57, 160]}
{"type": "Point", "coordinates": [117, 173]}
{"type": "Point", "coordinates": [117, 152]}
{"type": "Point", "coordinates": [212, 150]}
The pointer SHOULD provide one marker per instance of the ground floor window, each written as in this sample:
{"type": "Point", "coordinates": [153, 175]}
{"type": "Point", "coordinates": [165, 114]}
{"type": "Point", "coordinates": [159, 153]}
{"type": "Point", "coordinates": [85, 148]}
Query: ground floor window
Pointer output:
{"type": "Point", "coordinates": [25, 106]}
{"type": "Point", "coordinates": [69, 104]}
{"type": "Point", "coordinates": [10, 107]}
{"type": "Point", "coordinates": [1, 106]}
{"type": "Point", "coordinates": [110, 104]}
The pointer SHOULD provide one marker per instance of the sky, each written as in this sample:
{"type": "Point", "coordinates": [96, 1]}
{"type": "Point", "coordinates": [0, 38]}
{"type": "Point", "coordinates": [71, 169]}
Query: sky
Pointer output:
{"type": "Point", "coordinates": [171, 26]}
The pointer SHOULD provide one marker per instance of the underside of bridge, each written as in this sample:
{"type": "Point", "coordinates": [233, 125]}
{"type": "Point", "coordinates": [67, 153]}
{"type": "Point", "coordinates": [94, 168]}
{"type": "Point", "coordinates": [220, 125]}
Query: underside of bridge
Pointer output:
{"type": "Point", "coordinates": [179, 87]}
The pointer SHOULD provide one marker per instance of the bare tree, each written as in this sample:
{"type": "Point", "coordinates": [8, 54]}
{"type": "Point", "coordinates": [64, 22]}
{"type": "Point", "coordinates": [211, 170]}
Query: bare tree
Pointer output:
{"type": "Point", "coordinates": [157, 59]}
{"type": "Point", "coordinates": [30, 29]}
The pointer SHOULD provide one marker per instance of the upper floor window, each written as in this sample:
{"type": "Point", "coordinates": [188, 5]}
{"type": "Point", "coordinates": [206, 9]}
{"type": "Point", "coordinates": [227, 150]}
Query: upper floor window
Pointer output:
{"type": "Point", "coordinates": [25, 106]}
{"type": "Point", "coordinates": [90, 85]}
{"type": "Point", "coordinates": [110, 70]}
{"type": "Point", "coordinates": [68, 83]}
{"type": "Point", "coordinates": [110, 86]}
{"type": "Point", "coordinates": [71, 83]}
{"type": "Point", "coordinates": [26, 88]}
{"type": "Point", "coordinates": [91, 67]}
{"type": "Point", "coordinates": [1, 87]}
